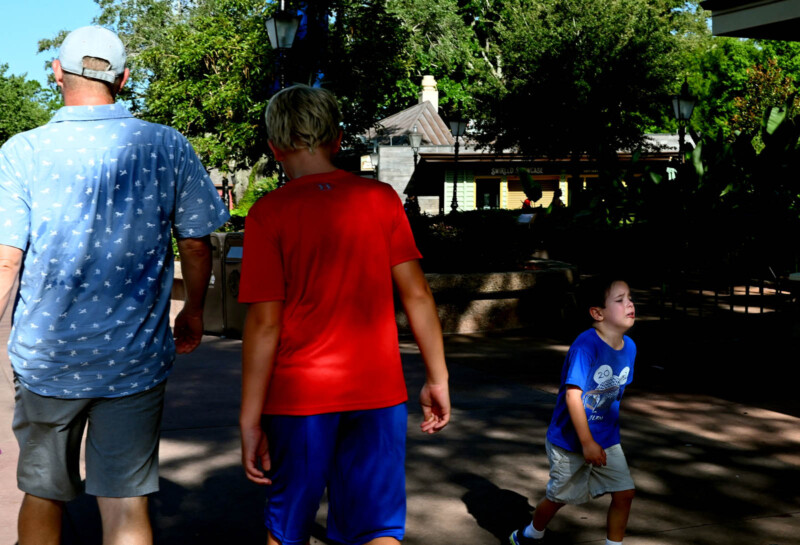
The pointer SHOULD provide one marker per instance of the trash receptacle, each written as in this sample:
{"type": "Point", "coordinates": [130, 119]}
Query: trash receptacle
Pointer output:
{"type": "Point", "coordinates": [222, 313]}
{"type": "Point", "coordinates": [214, 310]}
{"type": "Point", "coordinates": [235, 312]}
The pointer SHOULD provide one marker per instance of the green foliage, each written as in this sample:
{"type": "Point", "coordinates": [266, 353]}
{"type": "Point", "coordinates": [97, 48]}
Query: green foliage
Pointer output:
{"type": "Point", "coordinates": [532, 188]}
{"type": "Point", "coordinates": [445, 39]}
{"type": "Point", "coordinates": [255, 191]}
{"type": "Point", "coordinates": [579, 75]}
{"type": "Point", "coordinates": [24, 105]}
{"type": "Point", "coordinates": [474, 241]}
{"type": "Point", "coordinates": [729, 209]}
{"type": "Point", "coordinates": [766, 88]}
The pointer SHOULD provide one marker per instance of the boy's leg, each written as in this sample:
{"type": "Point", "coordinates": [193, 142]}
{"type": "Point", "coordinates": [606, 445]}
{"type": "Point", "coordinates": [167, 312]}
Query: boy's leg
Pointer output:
{"type": "Point", "coordinates": [39, 521]}
{"type": "Point", "coordinates": [618, 513]}
{"type": "Point", "coordinates": [366, 493]}
{"type": "Point", "coordinates": [301, 450]}
{"type": "Point", "coordinates": [544, 513]}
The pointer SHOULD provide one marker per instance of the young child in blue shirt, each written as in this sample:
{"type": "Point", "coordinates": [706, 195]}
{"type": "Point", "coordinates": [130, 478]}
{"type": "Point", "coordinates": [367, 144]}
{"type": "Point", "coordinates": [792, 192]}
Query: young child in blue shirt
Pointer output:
{"type": "Point", "coordinates": [583, 444]}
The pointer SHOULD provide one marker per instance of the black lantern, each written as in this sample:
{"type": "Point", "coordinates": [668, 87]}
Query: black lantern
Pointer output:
{"type": "Point", "coordinates": [415, 140]}
{"type": "Point", "coordinates": [682, 108]}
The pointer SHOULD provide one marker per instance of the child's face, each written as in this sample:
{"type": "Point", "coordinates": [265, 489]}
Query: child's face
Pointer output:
{"type": "Point", "coordinates": [619, 311]}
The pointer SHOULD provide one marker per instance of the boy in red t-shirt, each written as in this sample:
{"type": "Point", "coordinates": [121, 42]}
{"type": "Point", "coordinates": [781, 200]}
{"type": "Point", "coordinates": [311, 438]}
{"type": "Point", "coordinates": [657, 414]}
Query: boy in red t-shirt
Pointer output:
{"type": "Point", "coordinates": [323, 393]}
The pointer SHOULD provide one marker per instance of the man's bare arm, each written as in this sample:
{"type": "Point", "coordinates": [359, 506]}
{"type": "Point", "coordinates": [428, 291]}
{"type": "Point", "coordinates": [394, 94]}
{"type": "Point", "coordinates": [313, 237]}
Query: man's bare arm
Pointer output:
{"type": "Point", "coordinates": [195, 254]}
{"type": "Point", "coordinates": [10, 264]}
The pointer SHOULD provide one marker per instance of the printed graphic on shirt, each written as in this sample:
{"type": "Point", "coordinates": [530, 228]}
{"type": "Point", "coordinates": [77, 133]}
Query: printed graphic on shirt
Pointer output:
{"type": "Point", "coordinates": [599, 399]}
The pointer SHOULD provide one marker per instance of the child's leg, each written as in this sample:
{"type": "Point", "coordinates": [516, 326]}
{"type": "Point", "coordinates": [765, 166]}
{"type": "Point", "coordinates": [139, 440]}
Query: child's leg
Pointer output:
{"type": "Point", "coordinates": [618, 513]}
{"type": "Point", "coordinates": [544, 513]}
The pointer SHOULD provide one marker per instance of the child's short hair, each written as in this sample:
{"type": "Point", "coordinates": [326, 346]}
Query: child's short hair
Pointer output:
{"type": "Point", "coordinates": [303, 117]}
{"type": "Point", "coordinates": [594, 290]}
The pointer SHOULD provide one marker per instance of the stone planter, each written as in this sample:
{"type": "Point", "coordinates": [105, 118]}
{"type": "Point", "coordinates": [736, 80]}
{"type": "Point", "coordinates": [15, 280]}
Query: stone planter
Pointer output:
{"type": "Point", "coordinates": [477, 302]}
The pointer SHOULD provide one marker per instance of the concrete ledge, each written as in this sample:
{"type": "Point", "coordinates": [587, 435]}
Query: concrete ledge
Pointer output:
{"type": "Point", "coordinates": [477, 302]}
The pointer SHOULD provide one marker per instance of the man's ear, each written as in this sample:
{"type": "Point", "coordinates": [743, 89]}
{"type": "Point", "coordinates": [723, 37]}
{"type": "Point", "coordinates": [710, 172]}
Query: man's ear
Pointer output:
{"type": "Point", "coordinates": [125, 75]}
{"type": "Point", "coordinates": [279, 154]}
{"type": "Point", "coordinates": [596, 313]}
{"type": "Point", "coordinates": [58, 72]}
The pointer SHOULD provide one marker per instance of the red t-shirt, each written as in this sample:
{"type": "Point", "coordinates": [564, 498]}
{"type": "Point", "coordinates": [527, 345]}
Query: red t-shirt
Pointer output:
{"type": "Point", "coordinates": [325, 245]}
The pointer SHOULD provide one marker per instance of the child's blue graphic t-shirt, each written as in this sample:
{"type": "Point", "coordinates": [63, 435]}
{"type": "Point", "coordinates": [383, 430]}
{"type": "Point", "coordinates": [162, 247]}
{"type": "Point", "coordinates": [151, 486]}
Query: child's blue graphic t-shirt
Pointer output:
{"type": "Point", "coordinates": [602, 374]}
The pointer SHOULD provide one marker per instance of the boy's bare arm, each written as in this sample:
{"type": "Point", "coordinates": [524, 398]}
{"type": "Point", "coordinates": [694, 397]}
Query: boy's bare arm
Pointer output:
{"type": "Point", "coordinates": [593, 453]}
{"type": "Point", "coordinates": [262, 329]}
{"type": "Point", "coordinates": [421, 311]}
{"type": "Point", "coordinates": [10, 263]}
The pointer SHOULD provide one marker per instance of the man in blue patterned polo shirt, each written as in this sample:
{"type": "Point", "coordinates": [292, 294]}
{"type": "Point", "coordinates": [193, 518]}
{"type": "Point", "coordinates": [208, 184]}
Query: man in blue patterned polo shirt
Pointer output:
{"type": "Point", "coordinates": [88, 204]}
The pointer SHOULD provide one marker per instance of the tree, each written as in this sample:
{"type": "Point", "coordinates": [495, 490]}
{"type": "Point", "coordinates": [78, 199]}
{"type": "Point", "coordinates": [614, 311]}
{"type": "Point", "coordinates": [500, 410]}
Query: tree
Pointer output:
{"type": "Point", "coordinates": [445, 40]}
{"type": "Point", "coordinates": [766, 88]}
{"type": "Point", "coordinates": [23, 104]}
{"type": "Point", "coordinates": [206, 67]}
{"type": "Point", "coordinates": [579, 76]}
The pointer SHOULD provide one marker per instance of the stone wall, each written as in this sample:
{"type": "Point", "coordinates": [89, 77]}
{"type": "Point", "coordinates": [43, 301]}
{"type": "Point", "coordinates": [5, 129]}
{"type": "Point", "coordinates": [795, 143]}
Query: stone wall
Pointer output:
{"type": "Point", "coordinates": [478, 302]}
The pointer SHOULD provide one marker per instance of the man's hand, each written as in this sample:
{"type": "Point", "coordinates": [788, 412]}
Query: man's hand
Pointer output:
{"type": "Point", "coordinates": [255, 452]}
{"type": "Point", "coordinates": [188, 331]}
{"type": "Point", "coordinates": [594, 454]}
{"type": "Point", "coordinates": [435, 401]}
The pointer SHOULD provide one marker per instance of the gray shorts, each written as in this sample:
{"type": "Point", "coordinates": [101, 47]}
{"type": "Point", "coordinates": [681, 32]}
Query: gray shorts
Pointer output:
{"type": "Point", "coordinates": [574, 481]}
{"type": "Point", "coordinates": [121, 444]}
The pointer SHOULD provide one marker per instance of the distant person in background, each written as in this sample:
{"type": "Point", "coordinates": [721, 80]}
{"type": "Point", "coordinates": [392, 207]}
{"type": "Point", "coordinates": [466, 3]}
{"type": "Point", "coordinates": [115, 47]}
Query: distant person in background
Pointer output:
{"type": "Point", "coordinates": [89, 203]}
{"type": "Point", "coordinates": [323, 393]}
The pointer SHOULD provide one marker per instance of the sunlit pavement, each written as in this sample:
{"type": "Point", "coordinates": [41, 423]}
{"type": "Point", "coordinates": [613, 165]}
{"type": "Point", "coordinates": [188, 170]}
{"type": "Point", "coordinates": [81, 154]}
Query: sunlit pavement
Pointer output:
{"type": "Point", "coordinates": [710, 427]}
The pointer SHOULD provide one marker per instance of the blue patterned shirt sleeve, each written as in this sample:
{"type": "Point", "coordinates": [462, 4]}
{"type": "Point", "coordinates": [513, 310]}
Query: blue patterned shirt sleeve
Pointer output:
{"type": "Point", "coordinates": [199, 210]}
{"type": "Point", "coordinates": [15, 205]}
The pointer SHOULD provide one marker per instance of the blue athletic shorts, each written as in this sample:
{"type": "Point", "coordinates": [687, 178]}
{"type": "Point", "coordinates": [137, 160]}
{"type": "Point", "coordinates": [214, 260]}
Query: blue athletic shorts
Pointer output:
{"type": "Point", "coordinates": [359, 456]}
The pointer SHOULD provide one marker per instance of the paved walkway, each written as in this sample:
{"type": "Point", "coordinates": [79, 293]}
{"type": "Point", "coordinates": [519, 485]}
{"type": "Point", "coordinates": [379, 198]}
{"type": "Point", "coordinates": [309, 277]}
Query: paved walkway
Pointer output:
{"type": "Point", "coordinates": [710, 427]}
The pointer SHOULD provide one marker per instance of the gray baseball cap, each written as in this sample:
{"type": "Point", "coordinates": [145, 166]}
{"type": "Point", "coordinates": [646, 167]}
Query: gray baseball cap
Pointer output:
{"type": "Point", "coordinates": [93, 41]}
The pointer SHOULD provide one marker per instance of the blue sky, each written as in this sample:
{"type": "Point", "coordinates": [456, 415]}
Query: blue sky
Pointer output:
{"type": "Point", "coordinates": [24, 22]}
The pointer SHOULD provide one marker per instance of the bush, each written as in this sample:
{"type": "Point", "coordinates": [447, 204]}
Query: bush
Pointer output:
{"type": "Point", "coordinates": [255, 190]}
{"type": "Point", "coordinates": [474, 241]}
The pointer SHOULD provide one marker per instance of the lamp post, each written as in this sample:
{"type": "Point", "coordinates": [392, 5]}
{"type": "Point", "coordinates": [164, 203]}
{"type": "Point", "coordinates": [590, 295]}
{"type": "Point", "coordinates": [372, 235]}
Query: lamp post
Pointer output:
{"type": "Point", "coordinates": [682, 107]}
{"type": "Point", "coordinates": [282, 29]}
{"type": "Point", "coordinates": [457, 128]}
{"type": "Point", "coordinates": [375, 159]}
{"type": "Point", "coordinates": [415, 140]}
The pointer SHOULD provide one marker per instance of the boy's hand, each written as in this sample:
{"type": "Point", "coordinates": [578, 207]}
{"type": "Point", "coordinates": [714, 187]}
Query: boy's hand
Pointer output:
{"type": "Point", "coordinates": [255, 451]}
{"type": "Point", "coordinates": [435, 402]}
{"type": "Point", "coordinates": [594, 454]}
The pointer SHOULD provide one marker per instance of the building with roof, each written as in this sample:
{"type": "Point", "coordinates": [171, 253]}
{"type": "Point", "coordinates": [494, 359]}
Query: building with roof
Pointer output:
{"type": "Point", "coordinates": [763, 19]}
{"type": "Point", "coordinates": [483, 179]}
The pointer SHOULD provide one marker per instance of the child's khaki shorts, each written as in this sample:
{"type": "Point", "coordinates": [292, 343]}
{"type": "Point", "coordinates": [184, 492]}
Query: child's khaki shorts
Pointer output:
{"type": "Point", "coordinates": [574, 481]}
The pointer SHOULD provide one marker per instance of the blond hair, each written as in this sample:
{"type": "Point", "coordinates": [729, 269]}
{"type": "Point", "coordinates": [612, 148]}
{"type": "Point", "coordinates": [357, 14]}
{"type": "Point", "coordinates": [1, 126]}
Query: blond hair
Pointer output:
{"type": "Point", "coordinates": [303, 117]}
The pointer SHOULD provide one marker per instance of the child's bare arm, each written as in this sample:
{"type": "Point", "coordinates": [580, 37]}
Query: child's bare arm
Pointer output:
{"type": "Point", "coordinates": [593, 453]}
{"type": "Point", "coordinates": [421, 310]}
{"type": "Point", "coordinates": [259, 345]}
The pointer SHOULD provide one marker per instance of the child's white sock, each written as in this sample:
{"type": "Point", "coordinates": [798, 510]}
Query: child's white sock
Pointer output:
{"type": "Point", "coordinates": [609, 542]}
{"type": "Point", "coordinates": [532, 532]}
